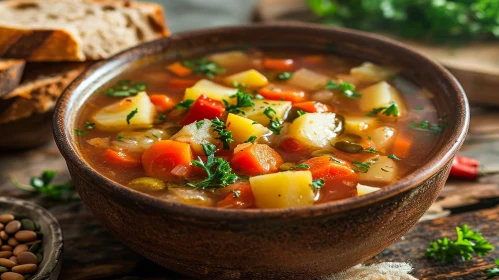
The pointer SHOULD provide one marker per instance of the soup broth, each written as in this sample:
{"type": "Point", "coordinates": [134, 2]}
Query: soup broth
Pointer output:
{"type": "Point", "coordinates": [259, 128]}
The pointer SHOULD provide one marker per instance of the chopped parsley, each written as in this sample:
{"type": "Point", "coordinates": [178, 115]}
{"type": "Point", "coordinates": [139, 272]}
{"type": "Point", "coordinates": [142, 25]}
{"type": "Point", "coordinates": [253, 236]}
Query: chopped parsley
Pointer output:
{"type": "Point", "coordinates": [186, 104]}
{"type": "Point", "coordinates": [251, 139]}
{"type": "Point", "coordinates": [370, 150]}
{"type": "Point", "coordinates": [156, 136]}
{"type": "Point", "coordinates": [161, 117]}
{"type": "Point", "coordinates": [368, 137]}
{"type": "Point", "coordinates": [199, 124]}
{"type": "Point", "coordinates": [243, 100]}
{"type": "Point", "coordinates": [419, 108]}
{"type": "Point", "coordinates": [335, 160]}
{"type": "Point", "coordinates": [121, 137]}
{"type": "Point", "coordinates": [275, 124]}
{"type": "Point", "coordinates": [89, 125]}
{"type": "Point", "coordinates": [301, 112]}
{"type": "Point", "coordinates": [427, 126]}
{"type": "Point", "coordinates": [317, 184]}
{"type": "Point", "coordinates": [204, 67]}
{"type": "Point", "coordinates": [394, 157]}
{"type": "Point", "coordinates": [218, 170]}
{"type": "Point", "coordinates": [346, 89]}
{"type": "Point", "coordinates": [225, 135]}
{"type": "Point", "coordinates": [390, 110]}
{"type": "Point", "coordinates": [80, 132]}
{"type": "Point", "coordinates": [131, 115]}
{"type": "Point", "coordinates": [125, 88]}
{"type": "Point", "coordinates": [236, 193]}
{"type": "Point", "coordinates": [300, 166]}
{"type": "Point", "coordinates": [259, 97]}
{"type": "Point", "coordinates": [467, 242]}
{"type": "Point", "coordinates": [361, 167]}
{"type": "Point", "coordinates": [284, 76]}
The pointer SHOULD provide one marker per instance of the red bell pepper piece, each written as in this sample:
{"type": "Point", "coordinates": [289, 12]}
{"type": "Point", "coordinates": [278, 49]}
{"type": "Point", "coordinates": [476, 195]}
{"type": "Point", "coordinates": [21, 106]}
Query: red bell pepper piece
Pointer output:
{"type": "Point", "coordinates": [464, 168]}
{"type": "Point", "coordinates": [203, 108]}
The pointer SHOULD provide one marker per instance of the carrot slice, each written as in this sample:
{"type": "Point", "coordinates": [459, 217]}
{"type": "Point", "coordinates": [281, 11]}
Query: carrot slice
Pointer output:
{"type": "Point", "coordinates": [402, 146]}
{"type": "Point", "coordinates": [238, 196]}
{"type": "Point", "coordinates": [120, 158]}
{"type": "Point", "coordinates": [254, 159]}
{"type": "Point", "coordinates": [314, 59]}
{"type": "Point", "coordinates": [282, 92]}
{"type": "Point", "coordinates": [167, 160]}
{"type": "Point", "coordinates": [161, 102]}
{"type": "Point", "coordinates": [312, 107]}
{"type": "Point", "coordinates": [179, 69]}
{"type": "Point", "coordinates": [181, 83]}
{"type": "Point", "coordinates": [278, 64]}
{"type": "Point", "coordinates": [204, 108]}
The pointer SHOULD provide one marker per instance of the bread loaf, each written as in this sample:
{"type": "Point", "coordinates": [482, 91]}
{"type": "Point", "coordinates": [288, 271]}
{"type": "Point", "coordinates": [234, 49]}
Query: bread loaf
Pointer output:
{"type": "Point", "coordinates": [11, 71]}
{"type": "Point", "coordinates": [76, 30]}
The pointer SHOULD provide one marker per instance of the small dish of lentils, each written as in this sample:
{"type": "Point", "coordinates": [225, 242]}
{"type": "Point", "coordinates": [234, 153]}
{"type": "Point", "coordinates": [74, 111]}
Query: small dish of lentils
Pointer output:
{"type": "Point", "coordinates": [30, 241]}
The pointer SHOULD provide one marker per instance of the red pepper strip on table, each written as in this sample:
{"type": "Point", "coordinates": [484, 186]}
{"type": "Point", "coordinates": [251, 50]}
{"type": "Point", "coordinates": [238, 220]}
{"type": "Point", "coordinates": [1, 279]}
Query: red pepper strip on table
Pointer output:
{"type": "Point", "coordinates": [467, 168]}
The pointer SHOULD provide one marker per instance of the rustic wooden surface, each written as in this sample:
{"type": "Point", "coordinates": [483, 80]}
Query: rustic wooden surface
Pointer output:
{"type": "Point", "coordinates": [90, 252]}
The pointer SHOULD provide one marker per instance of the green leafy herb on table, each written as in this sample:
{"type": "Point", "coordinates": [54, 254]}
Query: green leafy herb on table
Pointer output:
{"type": "Point", "coordinates": [435, 21]}
{"type": "Point", "coordinates": [42, 185]}
{"type": "Point", "coordinates": [204, 67]}
{"type": "Point", "coordinates": [218, 170]}
{"type": "Point", "coordinates": [466, 243]}
{"type": "Point", "coordinates": [346, 89]}
{"type": "Point", "coordinates": [493, 272]}
{"type": "Point", "coordinates": [125, 88]}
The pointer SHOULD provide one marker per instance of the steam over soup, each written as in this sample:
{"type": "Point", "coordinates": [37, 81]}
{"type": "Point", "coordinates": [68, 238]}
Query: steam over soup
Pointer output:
{"type": "Point", "coordinates": [259, 128]}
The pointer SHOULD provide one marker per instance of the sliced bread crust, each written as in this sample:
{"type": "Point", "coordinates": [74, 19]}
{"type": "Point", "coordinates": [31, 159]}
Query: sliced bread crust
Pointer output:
{"type": "Point", "coordinates": [11, 71]}
{"type": "Point", "coordinates": [76, 30]}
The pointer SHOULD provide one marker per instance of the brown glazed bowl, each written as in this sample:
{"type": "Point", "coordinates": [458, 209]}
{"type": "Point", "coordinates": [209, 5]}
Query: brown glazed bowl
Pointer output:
{"type": "Point", "coordinates": [296, 243]}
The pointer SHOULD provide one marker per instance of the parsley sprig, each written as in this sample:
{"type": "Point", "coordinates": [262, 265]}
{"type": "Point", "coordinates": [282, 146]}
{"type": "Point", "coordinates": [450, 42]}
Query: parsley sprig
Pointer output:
{"type": "Point", "coordinates": [218, 170]}
{"type": "Point", "coordinates": [275, 124]}
{"type": "Point", "coordinates": [224, 135]}
{"type": "Point", "coordinates": [467, 243]}
{"type": "Point", "coordinates": [243, 100]}
{"type": "Point", "coordinates": [125, 88]}
{"type": "Point", "coordinates": [390, 110]}
{"type": "Point", "coordinates": [42, 184]}
{"type": "Point", "coordinates": [185, 104]}
{"type": "Point", "coordinates": [284, 76]}
{"type": "Point", "coordinates": [317, 184]}
{"type": "Point", "coordinates": [205, 67]}
{"type": "Point", "coordinates": [131, 115]}
{"type": "Point", "coordinates": [346, 89]}
{"type": "Point", "coordinates": [426, 126]}
{"type": "Point", "coordinates": [361, 167]}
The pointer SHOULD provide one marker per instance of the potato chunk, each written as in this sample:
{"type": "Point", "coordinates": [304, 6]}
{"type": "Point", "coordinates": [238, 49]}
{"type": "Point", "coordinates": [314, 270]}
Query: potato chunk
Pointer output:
{"type": "Point", "coordinates": [257, 113]}
{"type": "Point", "coordinates": [358, 125]}
{"type": "Point", "coordinates": [379, 95]}
{"type": "Point", "coordinates": [250, 78]}
{"type": "Point", "coordinates": [383, 171]}
{"type": "Point", "coordinates": [195, 136]}
{"type": "Point", "coordinates": [283, 189]}
{"type": "Point", "coordinates": [363, 189]}
{"type": "Point", "coordinates": [308, 79]}
{"type": "Point", "coordinates": [315, 130]}
{"type": "Point", "coordinates": [114, 116]}
{"type": "Point", "coordinates": [370, 72]}
{"type": "Point", "coordinates": [242, 128]}
{"type": "Point", "coordinates": [383, 137]}
{"type": "Point", "coordinates": [210, 89]}
{"type": "Point", "coordinates": [230, 59]}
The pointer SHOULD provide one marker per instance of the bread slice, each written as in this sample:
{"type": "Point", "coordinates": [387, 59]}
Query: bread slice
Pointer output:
{"type": "Point", "coordinates": [76, 30]}
{"type": "Point", "coordinates": [11, 71]}
{"type": "Point", "coordinates": [38, 94]}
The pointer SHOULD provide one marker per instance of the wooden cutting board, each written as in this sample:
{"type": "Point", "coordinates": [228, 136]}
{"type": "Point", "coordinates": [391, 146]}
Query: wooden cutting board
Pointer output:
{"type": "Point", "coordinates": [475, 65]}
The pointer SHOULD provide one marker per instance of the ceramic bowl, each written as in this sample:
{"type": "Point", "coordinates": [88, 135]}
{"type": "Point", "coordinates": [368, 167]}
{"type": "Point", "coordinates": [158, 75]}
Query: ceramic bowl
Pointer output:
{"type": "Point", "coordinates": [50, 266]}
{"type": "Point", "coordinates": [297, 243]}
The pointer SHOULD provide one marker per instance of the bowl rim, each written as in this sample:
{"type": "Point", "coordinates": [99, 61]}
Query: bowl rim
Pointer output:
{"type": "Point", "coordinates": [443, 155]}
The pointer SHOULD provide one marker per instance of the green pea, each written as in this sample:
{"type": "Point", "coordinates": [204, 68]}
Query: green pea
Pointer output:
{"type": "Point", "coordinates": [147, 184]}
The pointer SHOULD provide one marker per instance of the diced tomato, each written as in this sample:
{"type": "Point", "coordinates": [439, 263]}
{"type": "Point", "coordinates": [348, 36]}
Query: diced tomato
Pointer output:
{"type": "Point", "coordinates": [121, 158]}
{"type": "Point", "coordinates": [181, 83]}
{"type": "Point", "coordinates": [161, 102]}
{"type": "Point", "coordinates": [278, 64]}
{"type": "Point", "coordinates": [312, 107]}
{"type": "Point", "coordinates": [282, 92]}
{"type": "Point", "coordinates": [238, 196]}
{"type": "Point", "coordinates": [254, 159]}
{"type": "Point", "coordinates": [179, 69]}
{"type": "Point", "coordinates": [204, 108]}
{"type": "Point", "coordinates": [290, 144]}
{"type": "Point", "coordinates": [166, 156]}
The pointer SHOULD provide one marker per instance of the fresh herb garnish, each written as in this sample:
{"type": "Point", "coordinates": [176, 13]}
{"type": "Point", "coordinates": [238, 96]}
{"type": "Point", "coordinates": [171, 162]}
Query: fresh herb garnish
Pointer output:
{"type": "Point", "coordinates": [419, 108]}
{"type": "Point", "coordinates": [125, 88]}
{"type": "Point", "coordinates": [121, 137]}
{"type": "Point", "coordinates": [236, 193]}
{"type": "Point", "coordinates": [218, 170]}
{"type": "Point", "coordinates": [467, 242]}
{"type": "Point", "coordinates": [199, 124]}
{"type": "Point", "coordinates": [186, 104]}
{"type": "Point", "coordinates": [275, 124]}
{"type": "Point", "coordinates": [225, 135]}
{"type": "Point", "coordinates": [361, 167]}
{"type": "Point", "coordinates": [80, 132]}
{"type": "Point", "coordinates": [390, 110]}
{"type": "Point", "coordinates": [317, 184]}
{"type": "Point", "coordinates": [394, 157]}
{"type": "Point", "coordinates": [251, 139]}
{"type": "Point", "coordinates": [42, 185]}
{"type": "Point", "coordinates": [370, 150]}
{"type": "Point", "coordinates": [161, 117]}
{"type": "Point", "coordinates": [427, 126]}
{"type": "Point", "coordinates": [284, 76]}
{"type": "Point", "coordinates": [89, 125]}
{"type": "Point", "coordinates": [300, 166]}
{"type": "Point", "coordinates": [301, 112]}
{"type": "Point", "coordinates": [259, 97]}
{"type": "Point", "coordinates": [131, 115]}
{"type": "Point", "coordinates": [368, 137]}
{"type": "Point", "coordinates": [346, 89]}
{"type": "Point", "coordinates": [493, 272]}
{"type": "Point", "coordinates": [205, 67]}
{"type": "Point", "coordinates": [243, 100]}
{"type": "Point", "coordinates": [335, 160]}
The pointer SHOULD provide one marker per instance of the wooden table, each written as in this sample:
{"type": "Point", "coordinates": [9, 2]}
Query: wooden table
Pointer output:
{"type": "Point", "coordinates": [90, 252]}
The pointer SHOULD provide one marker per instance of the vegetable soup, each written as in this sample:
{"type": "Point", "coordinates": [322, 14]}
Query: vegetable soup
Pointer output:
{"type": "Point", "coordinates": [259, 128]}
